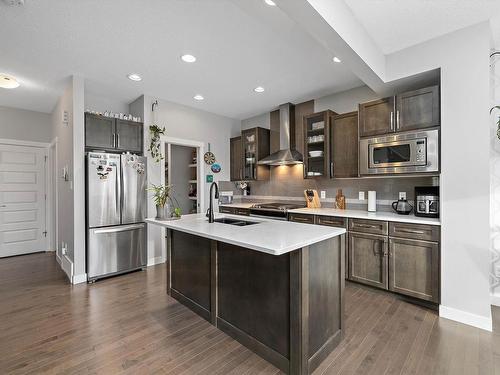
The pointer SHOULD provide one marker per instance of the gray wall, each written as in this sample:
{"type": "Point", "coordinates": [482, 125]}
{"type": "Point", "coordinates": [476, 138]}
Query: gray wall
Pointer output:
{"type": "Point", "coordinates": [25, 125]}
{"type": "Point", "coordinates": [346, 101]}
{"type": "Point", "coordinates": [64, 134]}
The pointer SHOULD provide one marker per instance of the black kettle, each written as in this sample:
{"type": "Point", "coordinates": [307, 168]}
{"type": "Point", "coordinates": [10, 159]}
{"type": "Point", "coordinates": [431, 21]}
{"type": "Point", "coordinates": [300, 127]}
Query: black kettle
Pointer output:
{"type": "Point", "coordinates": [402, 207]}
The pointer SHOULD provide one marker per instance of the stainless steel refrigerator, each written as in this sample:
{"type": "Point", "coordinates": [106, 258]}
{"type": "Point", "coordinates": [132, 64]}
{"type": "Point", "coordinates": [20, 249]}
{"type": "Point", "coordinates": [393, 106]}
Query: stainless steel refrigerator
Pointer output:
{"type": "Point", "coordinates": [116, 209]}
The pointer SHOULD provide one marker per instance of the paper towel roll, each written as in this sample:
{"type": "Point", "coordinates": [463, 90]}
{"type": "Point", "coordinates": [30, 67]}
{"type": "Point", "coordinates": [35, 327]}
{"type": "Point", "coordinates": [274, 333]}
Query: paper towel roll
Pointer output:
{"type": "Point", "coordinates": [372, 201]}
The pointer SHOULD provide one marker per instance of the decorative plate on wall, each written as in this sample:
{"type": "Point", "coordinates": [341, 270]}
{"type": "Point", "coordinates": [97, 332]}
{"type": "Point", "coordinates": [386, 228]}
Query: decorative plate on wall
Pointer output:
{"type": "Point", "coordinates": [215, 168]}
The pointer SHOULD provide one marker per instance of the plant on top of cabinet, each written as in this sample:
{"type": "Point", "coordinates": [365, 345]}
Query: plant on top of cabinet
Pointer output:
{"type": "Point", "coordinates": [416, 109]}
{"type": "Point", "coordinates": [317, 144]}
{"type": "Point", "coordinates": [154, 146]}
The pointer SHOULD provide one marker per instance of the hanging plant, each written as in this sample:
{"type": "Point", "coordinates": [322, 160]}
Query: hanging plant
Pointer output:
{"type": "Point", "coordinates": [154, 146]}
{"type": "Point", "coordinates": [498, 122]}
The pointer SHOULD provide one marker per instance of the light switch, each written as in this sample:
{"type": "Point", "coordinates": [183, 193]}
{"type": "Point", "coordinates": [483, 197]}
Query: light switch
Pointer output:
{"type": "Point", "coordinates": [361, 196]}
{"type": "Point", "coordinates": [323, 194]}
{"type": "Point", "coordinates": [402, 195]}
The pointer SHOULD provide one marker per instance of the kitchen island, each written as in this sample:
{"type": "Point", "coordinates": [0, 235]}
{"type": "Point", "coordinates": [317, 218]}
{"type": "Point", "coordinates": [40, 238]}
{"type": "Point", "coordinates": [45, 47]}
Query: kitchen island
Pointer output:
{"type": "Point", "coordinates": [275, 286]}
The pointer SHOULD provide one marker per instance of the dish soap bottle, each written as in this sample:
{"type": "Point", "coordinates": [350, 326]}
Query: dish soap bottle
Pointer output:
{"type": "Point", "coordinates": [340, 200]}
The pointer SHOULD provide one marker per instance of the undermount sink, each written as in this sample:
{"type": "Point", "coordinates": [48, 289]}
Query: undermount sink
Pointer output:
{"type": "Point", "coordinates": [239, 223]}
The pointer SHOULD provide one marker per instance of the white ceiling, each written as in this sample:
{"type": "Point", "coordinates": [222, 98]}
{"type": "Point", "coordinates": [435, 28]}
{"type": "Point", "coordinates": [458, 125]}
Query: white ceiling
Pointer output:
{"type": "Point", "coordinates": [240, 44]}
{"type": "Point", "coordinates": [397, 24]}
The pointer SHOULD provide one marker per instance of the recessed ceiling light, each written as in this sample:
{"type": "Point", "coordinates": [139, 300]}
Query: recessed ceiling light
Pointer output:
{"type": "Point", "coordinates": [259, 89]}
{"type": "Point", "coordinates": [270, 3]}
{"type": "Point", "coordinates": [188, 58]}
{"type": "Point", "coordinates": [8, 82]}
{"type": "Point", "coordinates": [198, 97]}
{"type": "Point", "coordinates": [336, 59]}
{"type": "Point", "coordinates": [134, 77]}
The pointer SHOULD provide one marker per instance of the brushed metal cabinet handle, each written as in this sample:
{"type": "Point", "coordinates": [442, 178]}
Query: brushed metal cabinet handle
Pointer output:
{"type": "Point", "coordinates": [413, 231]}
{"type": "Point", "coordinates": [117, 140]}
{"type": "Point", "coordinates": [397, 119]}
{"type": "Point", "coordinates": [392, 120]}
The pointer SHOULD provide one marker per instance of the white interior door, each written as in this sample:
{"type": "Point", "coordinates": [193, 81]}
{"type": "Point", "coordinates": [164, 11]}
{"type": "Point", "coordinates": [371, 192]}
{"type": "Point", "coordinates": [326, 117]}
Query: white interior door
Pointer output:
{"type": "Point", "coordinates": [22, 200]}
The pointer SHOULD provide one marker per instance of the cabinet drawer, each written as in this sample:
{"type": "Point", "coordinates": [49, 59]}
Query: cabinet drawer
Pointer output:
{"type": "Point", "coordinates": [368, 226]}
{"type": "Point", "coordinates": [242, 211]}
{"type": "Point", "coordinates": [301, 218]}
{"type": "Point", "coordinates": [332, 221]}
{"type": "Point", "coordinates": [415, 231]}
{"type": "Point", "coordinates": [226, 210]}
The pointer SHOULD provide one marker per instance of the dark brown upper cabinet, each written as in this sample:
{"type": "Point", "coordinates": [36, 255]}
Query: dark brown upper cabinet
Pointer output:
{"type": "Point", "coordinates": [99, 132]}
{"type": "Point", "coordinates": [129, 136]}
{"type": "Point", "coordinates": [417, 109]}
{"type": "Point", "coordinates": [110, 134]}
{"type": "Point", "coordinates": [344, 145]}
{"type": "Point", "coordinates": [236, 158]}
{"type": "Point", "coordinates": [317, 144]}
{"type": "Point", "coordinates": [376, 117]}
{"type": "Point", "coordinates": [255, 146]}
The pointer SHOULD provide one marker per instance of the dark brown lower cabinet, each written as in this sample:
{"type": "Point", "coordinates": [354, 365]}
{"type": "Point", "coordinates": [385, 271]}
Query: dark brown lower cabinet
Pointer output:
{"type": "Point", "coordinates": [368, 259]}
{"type": "Point", "coordinates": [414, 268]}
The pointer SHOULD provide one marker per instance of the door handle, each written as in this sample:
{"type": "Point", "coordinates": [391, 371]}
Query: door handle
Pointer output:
{"type": "Point", "coordinates": [3, 205]}
{"type": "Point", "coordinates": [123, 228]}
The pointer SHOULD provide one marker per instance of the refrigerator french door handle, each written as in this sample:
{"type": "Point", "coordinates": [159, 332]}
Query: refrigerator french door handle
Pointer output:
{"type": "Point", "coordinates": [119, 191]}
{"type": "Point", "coordinates": [121, 228]}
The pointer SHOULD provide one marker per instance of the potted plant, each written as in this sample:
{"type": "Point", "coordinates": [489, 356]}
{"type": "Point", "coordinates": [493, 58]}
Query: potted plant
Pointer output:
{"type": "Point", "coordinates": [498, 122]}
{"type": "Point", "coordinates": [154, 146]}
{"type": "Point", "coordinates": [161, 197]}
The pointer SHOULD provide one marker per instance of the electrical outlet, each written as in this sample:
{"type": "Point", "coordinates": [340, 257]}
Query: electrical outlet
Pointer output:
{"type": "Point", "coordinates": [361, 195]}
{"type": "Point", "coordinates": [64, 248]}
{"type": "Point", "coordinates": [402, 195]}
{"type": "Point", "coordinates": [323, 194]}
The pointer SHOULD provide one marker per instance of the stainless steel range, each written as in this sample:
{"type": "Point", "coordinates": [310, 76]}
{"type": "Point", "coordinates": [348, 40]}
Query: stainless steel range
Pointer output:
{"type": "Point", "coordinates": [274, 210]}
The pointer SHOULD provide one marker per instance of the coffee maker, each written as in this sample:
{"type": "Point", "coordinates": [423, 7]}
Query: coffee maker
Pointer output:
{"type": "Point", "coordinates": [427, 201]}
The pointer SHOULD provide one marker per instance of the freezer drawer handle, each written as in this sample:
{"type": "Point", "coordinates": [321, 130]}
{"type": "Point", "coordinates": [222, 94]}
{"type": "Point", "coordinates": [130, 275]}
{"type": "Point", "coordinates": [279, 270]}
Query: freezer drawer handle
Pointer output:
{"type": "Point", "coordinates": [123, 228]}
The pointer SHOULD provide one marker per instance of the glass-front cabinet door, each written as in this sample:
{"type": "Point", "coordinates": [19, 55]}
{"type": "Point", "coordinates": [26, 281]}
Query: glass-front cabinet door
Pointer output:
{"type": "Point", "coordinates": [255, 146]}
{"type": "Point", "coordinates": [316, 158]}
{"type": "Point", "coordinates": [249, 139]}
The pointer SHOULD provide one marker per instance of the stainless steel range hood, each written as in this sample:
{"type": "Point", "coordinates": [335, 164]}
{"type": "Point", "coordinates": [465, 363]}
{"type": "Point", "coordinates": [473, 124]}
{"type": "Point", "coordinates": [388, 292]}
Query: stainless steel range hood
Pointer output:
{"type": "Point", "coordinates": [286, 155]}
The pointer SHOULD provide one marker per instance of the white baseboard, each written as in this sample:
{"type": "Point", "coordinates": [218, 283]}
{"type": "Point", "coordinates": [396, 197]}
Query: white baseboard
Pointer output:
{"type": "Point", "coordinates": [81, 278]}
{"type": "Point", "coordinates": [495, 299]}
{"type": "Point", "coordinates": [58, 259]}
{"type": "Point", "coordinates": [67, 266]}
{"type": "Point", "coordinates": [464, 317]}
{"type": "Point", "coordinates": [157, 260]}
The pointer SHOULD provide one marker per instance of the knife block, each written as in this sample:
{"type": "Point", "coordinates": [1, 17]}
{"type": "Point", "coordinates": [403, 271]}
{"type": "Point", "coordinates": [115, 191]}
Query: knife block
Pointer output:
{"type": "Point", "coordinates": [312, 198]}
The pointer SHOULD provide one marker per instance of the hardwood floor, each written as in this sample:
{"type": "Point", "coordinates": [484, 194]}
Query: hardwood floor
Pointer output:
{"type": "Point", "coordinates": [128, 325]}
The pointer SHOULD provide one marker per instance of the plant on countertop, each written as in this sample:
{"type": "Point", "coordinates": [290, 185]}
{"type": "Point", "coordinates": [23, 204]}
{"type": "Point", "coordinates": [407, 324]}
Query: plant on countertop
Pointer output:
{"type": "Point", "coordinates": [161, 194]}
{"type": "Point", "coordinates": [498, 122]}
{"type": "Point", "coordinates": [154, 146]}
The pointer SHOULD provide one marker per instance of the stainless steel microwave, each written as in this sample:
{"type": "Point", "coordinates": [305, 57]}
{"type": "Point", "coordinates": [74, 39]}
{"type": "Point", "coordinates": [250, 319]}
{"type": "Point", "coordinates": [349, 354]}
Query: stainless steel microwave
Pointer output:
{"type": "Point", "coordinates": [410, 152]}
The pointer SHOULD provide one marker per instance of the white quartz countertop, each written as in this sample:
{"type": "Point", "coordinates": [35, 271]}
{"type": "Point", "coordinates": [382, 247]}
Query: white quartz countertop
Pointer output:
{"type": "Point", "coordinates": [359, 214]}
{"type": "Point", "coordinates": [268, 236]}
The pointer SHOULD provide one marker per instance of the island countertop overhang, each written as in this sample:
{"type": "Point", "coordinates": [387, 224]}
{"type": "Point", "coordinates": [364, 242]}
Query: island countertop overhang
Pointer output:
{"type": "Point", "coordinates": [273, 237]}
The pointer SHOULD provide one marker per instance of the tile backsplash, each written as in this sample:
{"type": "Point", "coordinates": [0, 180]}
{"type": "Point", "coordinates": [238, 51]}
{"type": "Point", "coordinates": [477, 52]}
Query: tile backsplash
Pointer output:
{"type": "Point", "coordinates": [288, 181]}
